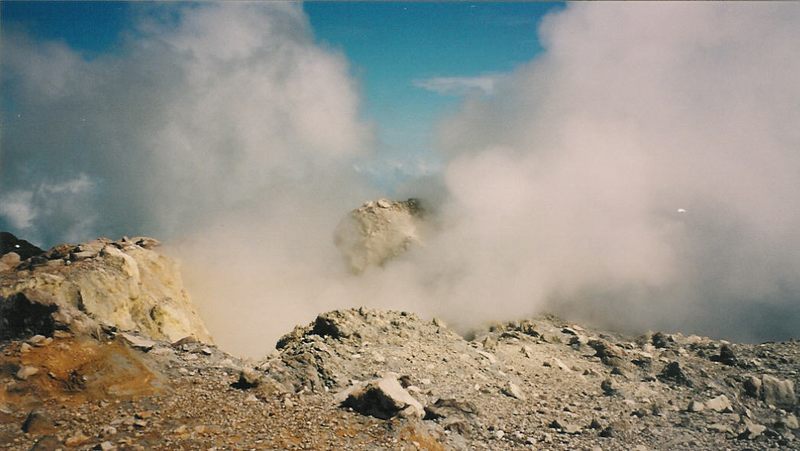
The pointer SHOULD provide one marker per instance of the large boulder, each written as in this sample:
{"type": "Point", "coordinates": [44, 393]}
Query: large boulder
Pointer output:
{"type": "Point", "coordinates": [382, 398]}
{"type": "Point", "coordinates": [778, 392]}
{"type": "Point", "coordinates": [378, 231]}
{"type": "Point", "coordinates": [123, 284]}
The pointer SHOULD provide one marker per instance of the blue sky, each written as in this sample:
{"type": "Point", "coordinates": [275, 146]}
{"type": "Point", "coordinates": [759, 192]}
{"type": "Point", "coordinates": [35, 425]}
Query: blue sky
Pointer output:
{"type": "Point", "coordinates": [392, 48]}
{"type": "Point", "coordinates": [392, 45]}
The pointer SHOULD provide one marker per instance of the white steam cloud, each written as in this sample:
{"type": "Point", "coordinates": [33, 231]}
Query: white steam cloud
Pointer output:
{"type": "Point", "coordinates": [565, 185]}
{"type": "Point", "coordinates": [227, 131]}
{"type": "Point", "coordinates": [221, 129]}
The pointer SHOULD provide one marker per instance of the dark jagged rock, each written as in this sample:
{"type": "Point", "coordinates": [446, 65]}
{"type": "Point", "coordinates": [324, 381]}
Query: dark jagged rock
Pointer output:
{"type": "Point", "coordinates": [10, 243]}
{"type": "Point", "coordinates": [661, 340]}
{"type": "Point", "coordinates": [726, 356]}
{"type": "Point", "coordinates": [674, 373]}
{"type": "Point", "coordinates": [20, 318]}
{"type": "Point", "coordinates": [609, 354]}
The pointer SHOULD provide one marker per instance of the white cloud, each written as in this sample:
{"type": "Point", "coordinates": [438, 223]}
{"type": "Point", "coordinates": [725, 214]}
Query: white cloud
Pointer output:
{"type": "Point", "coordinates": [223, 130]}
{"type": "Point", "coordinates": [60, 202]}
{"type": "Point", "coordinates": [565, 182]}
{"type": "Point", "coordinates": [220, 109]}
{"type": "Point", "coordinates": [459, 85]}
{"type": "Point", "coordinates": [16, 208]}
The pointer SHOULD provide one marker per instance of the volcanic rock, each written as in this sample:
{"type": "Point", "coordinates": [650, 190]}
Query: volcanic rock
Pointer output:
{"type": "Point", "coordinates": [609, 354]}
{"type": "Point", "coordinates": [720, 404]}
{"type": "Point", "coordinates": [513, 390]}
{"type": "Point", "coordinates": [382, 398]}
{"type": "Point", "coordinates": [726, 355]}
{"type": "Point", "coordinates": [778, 392]}
{"type": "Point", "coordinates": [674, 373]}
{"type": "Point", "coordinates": [378, 231]}
{"type": "Point", "coordinates": [23, 249]}
{"type": "Point", "coordinates": [116, 284]}
{"type": "Point", "coordinates": [751, 430]}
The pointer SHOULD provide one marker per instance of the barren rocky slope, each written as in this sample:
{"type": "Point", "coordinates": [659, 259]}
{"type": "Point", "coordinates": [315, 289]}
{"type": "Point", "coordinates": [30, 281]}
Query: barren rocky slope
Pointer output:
{"type": "Point", "coordinates": [371, 379]}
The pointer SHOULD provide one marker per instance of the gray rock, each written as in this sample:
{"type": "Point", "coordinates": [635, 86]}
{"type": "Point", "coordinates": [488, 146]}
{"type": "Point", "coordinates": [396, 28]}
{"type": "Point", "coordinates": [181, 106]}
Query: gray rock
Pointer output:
{"type": "Point", "coordinates": [449, 407]}
{"type": "Point", "coordinates": [721, 428]}
{"type": "Point", "coordinates": [696, 406]}
{"type": "Point", "coordinates": [778, 392]}
{"type": "Point", "coordinates": [47, 443]}
{"type": "Point", "coordinates": [556, 363]}
{"type": "Point", "coordinates": [526, 351]}
{"type": "Point", "coordinates": [751, 430]}
{"type": "Point", "coordinates": [375, 233]}
{"type": "Point", "coordinates": [248, 378]}
{"type": "Point", "coordinates": [511, 389]}
{"type": "Point", "coordinates": [334, 324]}
{"type": "Point", "coordinates": [146, 242]}
{"type": "Point", "coordinates": [83, 255]}
{"type": "Point", "coordinates": [674, 373]}
{"type": "Point", "coordinates": [609, 354]}
{"type": "Point", "coordinates": [726, 356]}
{"type": "Point", "coordinates": [720, 404]}
{"type": "Point", "coordinates": [492, 359]}
{"type": "Point", "coordinates": [10, 259]}
{"type": "Point", "coordinates": [565, 427]}
{"type": "Point", "coordinates": [610, 387]}
{"type": "Point", "coordinates": [139, 343]}
{"type": "Point", "coordinates": [661, 340]}
{"type": "Point", "coordinates": [788, 422]}
{"type": "Point", "coordinates": [381, 398]}
{"type": "Point", "coordinates": [752, 386]}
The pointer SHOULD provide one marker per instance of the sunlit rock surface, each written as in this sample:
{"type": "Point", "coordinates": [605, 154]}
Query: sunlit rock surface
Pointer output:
{"type": "Point", "coordinates": [123, 284]}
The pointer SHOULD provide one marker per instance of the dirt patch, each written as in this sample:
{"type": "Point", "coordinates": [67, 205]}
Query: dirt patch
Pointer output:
{"type": "Point", "coordinates": [77, 370]}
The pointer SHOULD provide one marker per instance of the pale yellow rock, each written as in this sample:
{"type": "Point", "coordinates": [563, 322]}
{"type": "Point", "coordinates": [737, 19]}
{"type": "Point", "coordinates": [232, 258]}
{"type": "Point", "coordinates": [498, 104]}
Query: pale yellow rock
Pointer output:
{"type": "Point", "coordinates": [25, 372]}
{"type": "Point", "coordinates": [11, 259]}
{"type": "Point", "coordinates": [137, 289]}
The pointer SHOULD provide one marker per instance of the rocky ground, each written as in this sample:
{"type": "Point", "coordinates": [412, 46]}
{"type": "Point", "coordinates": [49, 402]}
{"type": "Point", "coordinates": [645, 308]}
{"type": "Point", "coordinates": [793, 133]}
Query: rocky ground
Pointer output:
{"type": "Point", "coordinates": [76, 374]}
{"type": "Point", "coordinates": [537, 384]}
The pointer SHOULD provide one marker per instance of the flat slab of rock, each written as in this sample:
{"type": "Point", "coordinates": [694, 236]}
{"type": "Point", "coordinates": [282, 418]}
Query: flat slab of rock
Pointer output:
{"type": "Point", "coordinates": [720, 404]}
{"type": "Point", "coordinates": [139, 343]}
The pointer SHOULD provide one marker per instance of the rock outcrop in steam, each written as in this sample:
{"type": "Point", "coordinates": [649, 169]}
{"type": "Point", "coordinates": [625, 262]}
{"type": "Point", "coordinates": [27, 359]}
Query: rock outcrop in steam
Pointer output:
{"type": "Point", "coordinates": [378, 231]}
{"type": "Point", "coordinates": [121, 284]}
